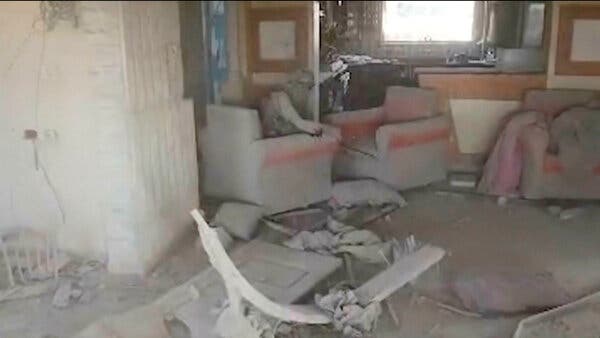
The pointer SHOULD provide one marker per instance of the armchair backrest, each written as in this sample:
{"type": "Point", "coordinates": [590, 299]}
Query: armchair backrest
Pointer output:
{"type": "Point", "coordinates": [237, 124]}
{"type": "Point", "coordinates": [409, 103]}
{"type": "Point", "coordinates": [554, 101]}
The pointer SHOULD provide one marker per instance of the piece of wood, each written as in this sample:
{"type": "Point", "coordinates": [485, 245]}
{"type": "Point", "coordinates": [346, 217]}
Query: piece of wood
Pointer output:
{"type": "Point", "coordinates": [401, 272]}
{"type": "Point", "coordinates": [591, 302]}
{"type": "Point", "coordinates": [564, 44]}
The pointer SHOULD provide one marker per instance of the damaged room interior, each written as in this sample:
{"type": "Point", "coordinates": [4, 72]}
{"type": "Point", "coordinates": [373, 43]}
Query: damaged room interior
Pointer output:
{"type": "Point", "coordinates": [298, 169]}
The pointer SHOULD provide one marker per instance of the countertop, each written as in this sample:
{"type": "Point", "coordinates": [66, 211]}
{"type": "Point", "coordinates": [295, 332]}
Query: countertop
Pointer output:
{"type": "Point", "coordinates": [472, 70]}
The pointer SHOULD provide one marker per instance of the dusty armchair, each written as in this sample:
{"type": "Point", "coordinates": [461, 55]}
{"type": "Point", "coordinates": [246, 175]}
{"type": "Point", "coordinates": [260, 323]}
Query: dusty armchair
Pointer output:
{"type": "Point", "coordinates": [278, 173]}
{"type": "Point", "coordinates": [403, 143]}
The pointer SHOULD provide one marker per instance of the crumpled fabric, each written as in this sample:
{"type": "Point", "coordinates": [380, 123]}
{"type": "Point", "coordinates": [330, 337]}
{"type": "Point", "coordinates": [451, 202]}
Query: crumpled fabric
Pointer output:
{"type": "Point", "coordinates": [502, 171]}
{"type": "Point", "coordinates": [338, 237]}
{"type": "Point", "coordinates": [575, 138]}
{"type": "Point", "coordinates": [348, 316]}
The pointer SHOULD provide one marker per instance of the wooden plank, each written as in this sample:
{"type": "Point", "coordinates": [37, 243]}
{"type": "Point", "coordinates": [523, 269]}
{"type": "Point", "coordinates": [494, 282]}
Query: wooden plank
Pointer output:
{"type": "Point", "coordinates": [396, 276]}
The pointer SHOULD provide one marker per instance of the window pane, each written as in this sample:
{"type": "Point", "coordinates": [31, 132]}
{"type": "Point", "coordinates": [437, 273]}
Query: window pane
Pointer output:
{"type": "Point", "coordinates": [428, 20]}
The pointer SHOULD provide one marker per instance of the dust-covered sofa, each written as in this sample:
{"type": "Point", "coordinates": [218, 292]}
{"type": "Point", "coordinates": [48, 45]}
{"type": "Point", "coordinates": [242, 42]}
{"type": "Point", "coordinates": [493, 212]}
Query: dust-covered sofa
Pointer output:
{"type": "Point", "coordinates": [544, 175]}
{"type": "Point", "coordinates": [403, 143]}
{"type": "Point", "coordinates": [278, 173]}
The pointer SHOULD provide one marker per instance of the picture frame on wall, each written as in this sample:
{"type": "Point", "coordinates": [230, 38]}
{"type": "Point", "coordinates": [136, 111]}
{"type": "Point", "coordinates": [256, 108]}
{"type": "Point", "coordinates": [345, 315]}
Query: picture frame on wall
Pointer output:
{"type": "Point", "coordinates": [277, 39]}
{"type": "Point", "coordinates": [578, 43]}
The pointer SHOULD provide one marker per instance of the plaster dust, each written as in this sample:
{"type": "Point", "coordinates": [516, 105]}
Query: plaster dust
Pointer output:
{"type": "Point", "coordinates": [478, 235]}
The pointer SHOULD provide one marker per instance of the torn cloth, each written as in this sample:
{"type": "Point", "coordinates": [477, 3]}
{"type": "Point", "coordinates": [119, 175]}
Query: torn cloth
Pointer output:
{"type": "Point", "coordinates": [339, 238]}
{"type": "Point", "coordinates": [348, 316]}
{"type": "Point", "coordinates": [502, 171]}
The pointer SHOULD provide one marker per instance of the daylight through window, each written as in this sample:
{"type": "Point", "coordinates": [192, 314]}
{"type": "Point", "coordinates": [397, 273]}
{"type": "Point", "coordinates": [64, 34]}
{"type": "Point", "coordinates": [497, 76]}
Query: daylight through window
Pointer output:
{"type": "Point", "coordinates": [416, 21]}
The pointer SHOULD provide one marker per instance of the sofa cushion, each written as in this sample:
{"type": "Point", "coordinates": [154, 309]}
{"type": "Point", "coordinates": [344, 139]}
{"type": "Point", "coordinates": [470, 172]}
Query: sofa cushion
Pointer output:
{"type": "Point", "coordinates": [408, 104]}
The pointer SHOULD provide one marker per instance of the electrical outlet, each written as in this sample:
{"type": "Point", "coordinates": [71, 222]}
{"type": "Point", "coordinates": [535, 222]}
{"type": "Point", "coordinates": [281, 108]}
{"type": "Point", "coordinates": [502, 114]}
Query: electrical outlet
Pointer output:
{"type": "Point", "coordinates": [30, 134]}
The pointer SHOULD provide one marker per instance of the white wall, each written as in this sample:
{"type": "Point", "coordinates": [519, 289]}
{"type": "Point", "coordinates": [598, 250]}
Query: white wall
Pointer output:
{"type": "Point", "coordinates": [77, 111]}
{"type": "Point", "coordinates": [564, 81]}
{"type": "Point", "coordinates": [102, 162]}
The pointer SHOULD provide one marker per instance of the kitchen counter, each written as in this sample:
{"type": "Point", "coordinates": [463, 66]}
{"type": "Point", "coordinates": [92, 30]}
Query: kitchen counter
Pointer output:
{"type": "Point", "coordinates": [472, 70]}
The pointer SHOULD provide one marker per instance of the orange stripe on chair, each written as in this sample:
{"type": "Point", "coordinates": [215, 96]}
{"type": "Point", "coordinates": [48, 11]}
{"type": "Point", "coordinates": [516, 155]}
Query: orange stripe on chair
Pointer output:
{"type": "Point", "coordinates": [597, 170]}
{"type": "Point", "coordinates": [552, 165]}
{"type": "Point", "coordinates": [357, 129]}
{"type": "Point", "coordinates": [408, 140]}
{"type": "Point", "coordinates": [283, 157]}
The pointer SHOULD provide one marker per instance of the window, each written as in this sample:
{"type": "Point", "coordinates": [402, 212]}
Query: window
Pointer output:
{"type": "Point", "coordinates": [428, 21]}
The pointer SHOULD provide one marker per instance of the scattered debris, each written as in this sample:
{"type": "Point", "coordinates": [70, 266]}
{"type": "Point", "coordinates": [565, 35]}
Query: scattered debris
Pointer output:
{"type": "Point", "coordinates": [349, 317]}
{"type": "Point", "coordinates": [66, 293]}
{"type": "Point", "coordinates": [571, 213]}
{"type": "Point", "coordinates": [32, 254]}
{"type": "Point", "coordinates": [339, 238]}
{"type": "Point", "coordinates": [502, 201]}
{"type": "Point", "coordinates": [304, 219]}
{"type": "Point", "coordinates": [361, 192]}
{"type": "Point", "coordinates": [554, 210]}
{"type": "Point", "coordinates": [450, 307]}
{"type": "Point", "coordinates": [577, 319]}
{"type": "Point", "coordinates": [252, 324]}
{"type": "Point", "coordinates": [239, 219]}
{"type": "Point", "coordinates": [463, 180]}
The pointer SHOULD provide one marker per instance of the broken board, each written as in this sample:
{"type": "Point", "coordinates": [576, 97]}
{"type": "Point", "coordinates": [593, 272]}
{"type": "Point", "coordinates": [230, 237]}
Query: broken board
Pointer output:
{"type": "Point", "coordinates": [403, 270]}
{"type": "Point", "coordinates": [579, 319]}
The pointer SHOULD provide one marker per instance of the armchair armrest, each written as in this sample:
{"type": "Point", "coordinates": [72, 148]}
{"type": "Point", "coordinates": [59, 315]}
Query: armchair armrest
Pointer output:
{"type": "Point", "coordinates": [286, 149]}
{"type": "Point", "coordinates": [412, 133]}
{"type": "Point", "coordinates": [357, 123]}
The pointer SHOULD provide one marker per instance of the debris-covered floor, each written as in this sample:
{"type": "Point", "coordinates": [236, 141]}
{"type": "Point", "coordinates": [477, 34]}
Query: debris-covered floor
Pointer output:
{"type": "Point", "coordinates": [480, 236]}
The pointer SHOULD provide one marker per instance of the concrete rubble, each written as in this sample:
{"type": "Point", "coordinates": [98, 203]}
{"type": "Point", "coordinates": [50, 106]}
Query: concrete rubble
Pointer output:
{"type": "Point", "coordinates": [349, 317]}
{"type": "Point", "coordinates": [239, 219]}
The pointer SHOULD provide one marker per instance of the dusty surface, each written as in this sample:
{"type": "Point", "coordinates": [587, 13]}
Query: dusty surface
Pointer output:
{"type": "Point", "coordinates": [479, 235]}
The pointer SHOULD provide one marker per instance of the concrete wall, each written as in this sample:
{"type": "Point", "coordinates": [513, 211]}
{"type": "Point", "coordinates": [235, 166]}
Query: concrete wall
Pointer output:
{"type": "Point", "coordinates": [97, 162]}
{"type": "Point", "coordinates": [564, 81]}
